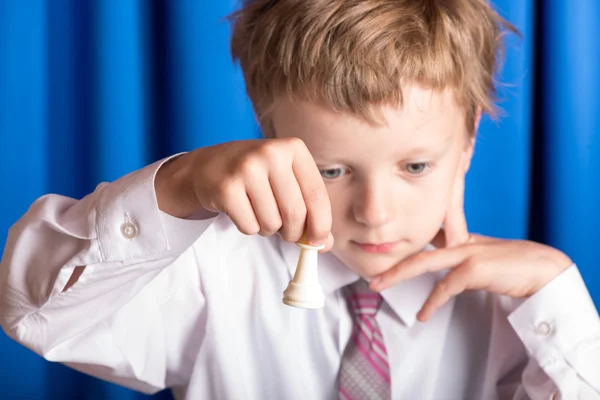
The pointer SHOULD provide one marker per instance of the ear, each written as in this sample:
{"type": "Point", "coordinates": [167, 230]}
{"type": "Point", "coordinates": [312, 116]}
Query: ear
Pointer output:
{"type": "Point", "coordinates": [471, 141]}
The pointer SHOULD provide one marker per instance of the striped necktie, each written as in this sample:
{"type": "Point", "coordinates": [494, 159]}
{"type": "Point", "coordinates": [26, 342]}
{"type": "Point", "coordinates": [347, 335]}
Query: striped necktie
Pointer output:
{"type": "Point", "coordinates": [364, 370]}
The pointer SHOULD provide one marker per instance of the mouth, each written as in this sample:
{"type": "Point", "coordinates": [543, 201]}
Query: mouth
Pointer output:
{"type": "Point", "coordinates": [376, 247]}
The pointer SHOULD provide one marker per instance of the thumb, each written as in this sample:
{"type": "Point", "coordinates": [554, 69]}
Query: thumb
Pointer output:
{"type": "Point", "coordinates": [455, 224]}
{"type": "Point", "coordinates": [328, 244]}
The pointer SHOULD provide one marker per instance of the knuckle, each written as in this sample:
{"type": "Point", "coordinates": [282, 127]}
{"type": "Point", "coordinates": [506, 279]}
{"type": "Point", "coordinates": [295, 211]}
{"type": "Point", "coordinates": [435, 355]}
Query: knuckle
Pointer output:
{"type": "Point", "coordinates": [279, 152]}
{"type": "Point", "coordinates": [249, 228]}
{"type": "Point", "coordinates": [269, 227]}
{"type": "Point", "coordinates": [445, 290]}
{"type": "Point", "coordinates": [295, 143]}
{"type": "Point", "coordinates": [294, 219]}
{"type": "Point", "coordinates": [228, 190]}
{"type": "Point", "coordinates": [442, 288]}
{"type": "Point", "coordinates": [316, 194]}
{"type": "Point", "coordinates": [419, 258]}
{"type": "Point", "coordinates": [469, 266]}
{"type": "Point", "coordinates": [271, 151]}
{"type": "Point", "coordinates": [250, 166]}
{"type": "Point", "coordinates": [290, 236]}
{"type": "Point", "coordinates": [294, 214]}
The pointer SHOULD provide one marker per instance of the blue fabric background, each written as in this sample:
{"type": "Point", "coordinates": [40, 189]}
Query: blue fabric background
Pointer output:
{"type": "Point", "coordinates": [93, 89]}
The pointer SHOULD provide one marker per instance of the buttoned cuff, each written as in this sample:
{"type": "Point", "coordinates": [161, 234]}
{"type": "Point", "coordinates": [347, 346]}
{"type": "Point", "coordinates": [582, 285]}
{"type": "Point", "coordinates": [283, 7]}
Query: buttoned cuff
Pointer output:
{"type": "Point", "coordinates": [557, 319]}
{"type": "Point", "coordinates": [128, 220]}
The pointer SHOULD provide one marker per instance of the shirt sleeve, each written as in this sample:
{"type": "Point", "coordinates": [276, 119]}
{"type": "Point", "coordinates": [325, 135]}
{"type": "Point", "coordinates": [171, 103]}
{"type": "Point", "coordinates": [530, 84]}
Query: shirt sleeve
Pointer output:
{"type": "Point", "coordinates": [106, 324]}
{"type": "Point", "coordinates": [560, 329]}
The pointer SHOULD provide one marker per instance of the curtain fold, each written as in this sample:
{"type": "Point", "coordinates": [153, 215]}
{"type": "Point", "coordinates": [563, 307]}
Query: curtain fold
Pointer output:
{"type": "Point", "coordinates": [571, 142]}
{"type": "Point", "coordinates": [93, 89]}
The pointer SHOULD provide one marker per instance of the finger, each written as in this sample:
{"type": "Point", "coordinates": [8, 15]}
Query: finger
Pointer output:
{"type": "Point", "coordinates": [238, 207]}
{"type": "Point", "coordinates": [439, 241]}
{"type": "Point", "coordinates": [418, 264]}
{"type": "Point", "coordinates": [455, 224]}
{"type": "Point", "coordinates": [264, 205]}
{"type": "Point", "coordinates": [328, 244]}
{"type": "Point", "coordinates": [290, 204]}
{"type": "Point", "coordinates": [316, 198]}
{"type": "Point", "coordinates": [452, 285]}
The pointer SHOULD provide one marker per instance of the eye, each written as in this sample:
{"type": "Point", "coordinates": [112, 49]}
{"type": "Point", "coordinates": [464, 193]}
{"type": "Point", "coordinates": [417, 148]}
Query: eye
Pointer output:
{"type": "Point", "coordinates": [416, 168]}
{"type": "Point", "coordinates": [332, 173]}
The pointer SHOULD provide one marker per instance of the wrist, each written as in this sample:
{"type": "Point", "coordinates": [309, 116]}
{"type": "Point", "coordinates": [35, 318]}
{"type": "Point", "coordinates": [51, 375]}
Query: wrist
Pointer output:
{"type": "Point", "coordinates": [557, 262]}
{"type": "Point", "coordinates": [174, 193]}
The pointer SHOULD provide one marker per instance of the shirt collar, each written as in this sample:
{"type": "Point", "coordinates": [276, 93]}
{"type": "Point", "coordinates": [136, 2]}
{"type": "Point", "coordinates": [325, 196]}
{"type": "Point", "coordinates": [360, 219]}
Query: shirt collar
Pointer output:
{"type": "Point", "coordinates": [405, 298]}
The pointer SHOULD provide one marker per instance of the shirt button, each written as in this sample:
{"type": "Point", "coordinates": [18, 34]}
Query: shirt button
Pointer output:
{"type": "Point", "coordinates": [543, 329]}
{"type": "Point", "coordinates": [129, 230]}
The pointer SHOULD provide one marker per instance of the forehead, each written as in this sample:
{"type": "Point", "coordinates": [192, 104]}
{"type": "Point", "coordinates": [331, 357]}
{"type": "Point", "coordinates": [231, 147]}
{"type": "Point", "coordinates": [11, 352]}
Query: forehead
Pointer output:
{"type": "Point", "coordinates": [425, 119]}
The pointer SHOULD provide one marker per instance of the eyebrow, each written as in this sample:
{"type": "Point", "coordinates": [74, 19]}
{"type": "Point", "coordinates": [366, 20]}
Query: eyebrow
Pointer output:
{"type": "Point", "coordinates": [435, 152]}
{"type": "Point", "coordinates": [436, 149]}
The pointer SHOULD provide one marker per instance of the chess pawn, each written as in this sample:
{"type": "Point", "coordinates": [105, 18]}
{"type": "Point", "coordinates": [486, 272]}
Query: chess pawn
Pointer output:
{"type": "Point", "coordinates": [304, 290]}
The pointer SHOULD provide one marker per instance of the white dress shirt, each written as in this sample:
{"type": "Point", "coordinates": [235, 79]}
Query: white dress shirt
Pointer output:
{"type": "Point", "coordinates": [196, 306]}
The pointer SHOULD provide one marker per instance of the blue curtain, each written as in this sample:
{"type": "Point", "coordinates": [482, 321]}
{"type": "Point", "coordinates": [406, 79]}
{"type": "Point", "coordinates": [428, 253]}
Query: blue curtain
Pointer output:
{"type": "Point", "coordinates": [91, 90]}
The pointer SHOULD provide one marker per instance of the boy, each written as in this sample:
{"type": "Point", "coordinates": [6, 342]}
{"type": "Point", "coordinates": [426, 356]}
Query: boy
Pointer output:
{"type": "Point", "coordinates": [172, 276]}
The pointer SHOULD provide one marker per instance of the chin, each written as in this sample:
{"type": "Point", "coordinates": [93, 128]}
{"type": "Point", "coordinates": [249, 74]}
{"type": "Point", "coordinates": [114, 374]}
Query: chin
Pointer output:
{"type": "Point", "coordinates": [369, 265]}
{"type": "Point", "coordinates": [370, 271]}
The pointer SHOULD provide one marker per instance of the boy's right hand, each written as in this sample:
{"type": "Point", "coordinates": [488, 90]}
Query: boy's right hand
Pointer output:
{"type": "Point", "coordinates": [265, 186]}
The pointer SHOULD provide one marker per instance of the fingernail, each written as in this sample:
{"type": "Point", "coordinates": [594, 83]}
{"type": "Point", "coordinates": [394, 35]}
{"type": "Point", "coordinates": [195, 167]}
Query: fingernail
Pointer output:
{"type": "Point", "coordinates": [375, 282]}
{"type": "Point", "coordinates": [316, 242]}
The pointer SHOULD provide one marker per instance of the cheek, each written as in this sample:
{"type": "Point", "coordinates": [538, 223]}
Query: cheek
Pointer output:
{"type": "Point", "coordinates": [419, 210]}
{"type": "Point", "coordinates": [430, 206]}
{"type": "Point", "coordinates": [340, 206]}
{"type": "Point", "coordinates": [427, 213]}
{"type": "Point", "coordinates": [438, 193]}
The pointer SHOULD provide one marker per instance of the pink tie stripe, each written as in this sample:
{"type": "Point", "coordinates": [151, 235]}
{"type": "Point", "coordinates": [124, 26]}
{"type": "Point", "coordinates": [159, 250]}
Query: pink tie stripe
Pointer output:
{"type": "Point", "coordinates": [364, 370]}
{"type": "Point", "coordinates": [365, 339]}
{"type": "Point", "coordinates": [375, 342]}
{"type": "Point", "coordinates": [344, 395]}
{"type": "Point", "coordinates": [378, 363]}
{"type": "Point", "coordinates": [365, 303]}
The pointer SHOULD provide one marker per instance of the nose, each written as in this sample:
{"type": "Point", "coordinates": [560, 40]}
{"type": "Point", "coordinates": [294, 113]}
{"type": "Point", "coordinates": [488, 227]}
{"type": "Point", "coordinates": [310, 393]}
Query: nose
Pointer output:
{"type": "Point", "coordinates": [373, 206]}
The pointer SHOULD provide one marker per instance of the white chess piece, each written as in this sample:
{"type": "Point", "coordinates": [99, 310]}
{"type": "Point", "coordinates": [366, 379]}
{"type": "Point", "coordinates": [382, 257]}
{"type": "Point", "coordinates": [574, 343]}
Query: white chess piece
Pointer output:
{"type": "Point", "coordinates": [304, 290]}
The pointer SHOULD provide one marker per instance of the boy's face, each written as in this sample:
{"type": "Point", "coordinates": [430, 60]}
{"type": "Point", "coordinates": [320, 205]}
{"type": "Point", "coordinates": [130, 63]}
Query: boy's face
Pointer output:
{"type": "Point", "coordinates": [390, 184]}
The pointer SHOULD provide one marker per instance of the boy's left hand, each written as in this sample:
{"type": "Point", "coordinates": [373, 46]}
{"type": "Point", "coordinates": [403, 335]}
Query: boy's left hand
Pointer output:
{"type": "Point", "coordinates": [516, 268]}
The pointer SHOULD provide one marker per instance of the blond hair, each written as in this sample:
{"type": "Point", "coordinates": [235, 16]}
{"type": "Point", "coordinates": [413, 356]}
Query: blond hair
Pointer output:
{"type": "Point", "coordinates": [354, 55]}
